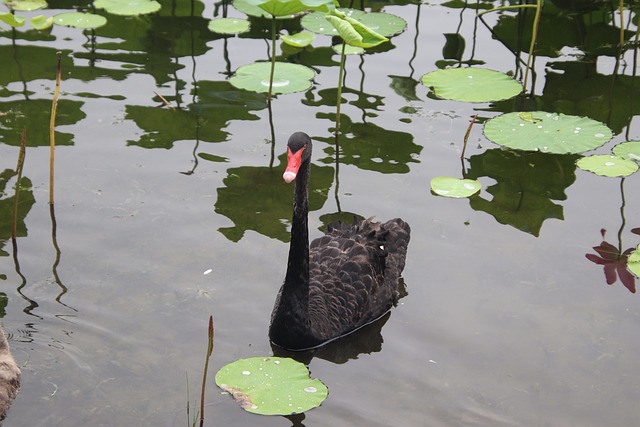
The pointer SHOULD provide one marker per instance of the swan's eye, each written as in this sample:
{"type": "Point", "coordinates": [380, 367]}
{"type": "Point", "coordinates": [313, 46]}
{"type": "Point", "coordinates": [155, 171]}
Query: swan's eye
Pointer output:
{"type": "Point", "coordinates": [381, 247]}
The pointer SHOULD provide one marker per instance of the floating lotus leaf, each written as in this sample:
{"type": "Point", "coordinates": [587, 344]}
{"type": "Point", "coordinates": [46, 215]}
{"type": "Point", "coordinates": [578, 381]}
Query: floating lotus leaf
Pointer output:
{"type": "Point", "coordinates": [229, 25]}
{"type": "Point", "coordinates": [128, 7]}
{"type": "Point", "coordinates": [302, 39]}
{"type": "Point", "coordinates": [79, 20]}
{"type": "Point", "coordinates": [547, 132]}
{"type": "Point", "coordinates": [629, 150]}
{"type": "Point", "coordinates": [317, 21]}
{"type": "Point", "coordinates": [607, 165]}
{"type": "Point", "coordinates": [348, 49]}
{"type": "Point", "coordinates": [271, 385]}
{"type": "Point", "coordinates": [385, 24]}
{"type": "Point", "coordinates": [288, 8]}
{"type": "Point", "coordinates": [25, 5]}
{"type": "Point", "coordinates": [633, 262]}
{"type": "Point", "coordinates": [287, 78]}
{"type": "Point", "coordinates": [13, 20]}
{"type": "Point", "coordinates": [454, 187]}
{"type": "Point", "coordinates": [41, 22]}
{"type": "Point", "coordinates": [472, 84]}
{"type": "Point", "coordinates": [354, 32]}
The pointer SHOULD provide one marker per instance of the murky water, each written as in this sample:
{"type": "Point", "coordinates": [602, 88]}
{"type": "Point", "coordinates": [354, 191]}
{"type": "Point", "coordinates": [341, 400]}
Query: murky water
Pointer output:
{"type": "Point", "coordinates": [498, 328]}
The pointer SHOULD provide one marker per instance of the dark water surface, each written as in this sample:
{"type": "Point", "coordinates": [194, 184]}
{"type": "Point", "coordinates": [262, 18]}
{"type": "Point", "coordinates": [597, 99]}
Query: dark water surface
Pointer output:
{"type": "Point", "coordinates": [499, 327]}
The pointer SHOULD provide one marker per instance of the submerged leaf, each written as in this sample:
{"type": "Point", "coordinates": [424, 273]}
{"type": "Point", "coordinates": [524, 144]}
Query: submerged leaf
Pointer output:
{"type": "Point", "coordinates": [271, 385]}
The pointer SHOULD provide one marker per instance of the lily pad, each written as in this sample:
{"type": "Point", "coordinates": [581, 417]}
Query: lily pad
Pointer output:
{"type": "Point", "coordinates": [79, 20]}
{"type": "Point", "coordinates": [385, 24]}
{"type": "Point", "coordinates": [14, 21]}
{"type": "Point", "coordinates": [26, 5]}
{"type": "Point", "coordinates": [348, 49]}
{"type": "Point", "coordinates": [281, 8]}
{"type": "Point", "coordinates": [302, 39]}
{"type": "Point", "coordinates": [287, 78]}
{"type": "Point", "coordinates": [271, 385]}
{"type": "Point", "coordinates": [633, 262]}
{"type": "Point", "coordinates": [472, 84]}
{"type": "Point", "coordinates": [41, 22]}
{"type": "Point", "coordinates": [229, 26]}
{"type": "Point", "coordinates": [317, 21]}
{"type": "Point", "coordinates": [607, 165]}
{"type": "Point", "coordinates": [128, 7]}
{"type": "Point", "coordinates": [629, 150]}
{"type": "Point", "coordinates": [354, 32]}
{"type": "Point", "coordinates": [547, 132]}
{"type": "Point", "coordinates": [454, 187]}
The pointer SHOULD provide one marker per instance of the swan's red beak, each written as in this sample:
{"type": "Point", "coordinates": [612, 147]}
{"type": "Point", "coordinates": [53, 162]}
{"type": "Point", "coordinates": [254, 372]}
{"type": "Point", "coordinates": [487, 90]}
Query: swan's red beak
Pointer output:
{"type": "Point", "coordinates": [294, 160]}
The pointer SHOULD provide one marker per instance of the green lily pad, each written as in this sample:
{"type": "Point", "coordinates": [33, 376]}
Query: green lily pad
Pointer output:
{"type": "Point", "coordinates": [385, 24]}
{"type": "Point", "coordinates": [79, 20]}
{"type": "Point", "coordinates": [128, 7]}
{"type": "Point", "coordinates": [302, 39]}
{"type": "Point", "coordinates": [14, 21]}
{"type": "Point", "coordinates": [629, 150]}
{"type": "Point", "coordinates": [229, 26]}
{"type": "Point", "coordinates": [271, 385]}
{"type": "Point", "coordinates": [547, 132]}
{"type": "Point", "coordinates": [454, 187]}
{"type": "Point", "coordinates": [281, 8]}
{"type": "Point", "coordinates": [317, 21]}
{"type": "Point", "coordinates": [472, 84]}
{"type": "Point", "coordinates": [287, 78]}
{"type": "Point", "coordinates": [633, 262]}
{"type": "Point", "coordinates": [41, 22]}
{"type": "Point", "coordinates": [607, 165]}
{"type": "Point", "coordinates": [26, 5]}
{"type": "Point", "coordinates": [354, 32]}
{"type": "Point", "coordinates": [348, 49]}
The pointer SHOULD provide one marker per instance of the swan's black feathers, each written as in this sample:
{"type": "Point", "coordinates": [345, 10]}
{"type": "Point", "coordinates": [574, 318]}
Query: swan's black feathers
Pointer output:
{"type": "Point", "coordinates": [354, 272]}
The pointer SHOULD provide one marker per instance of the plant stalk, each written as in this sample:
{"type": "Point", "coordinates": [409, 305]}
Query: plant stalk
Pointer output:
{"type": "Point", "coordinates": [206, 368]}
{"type": "Point", "coordinates": [52, 124]}
{"type": "Point", "coordinates": [340, 76]}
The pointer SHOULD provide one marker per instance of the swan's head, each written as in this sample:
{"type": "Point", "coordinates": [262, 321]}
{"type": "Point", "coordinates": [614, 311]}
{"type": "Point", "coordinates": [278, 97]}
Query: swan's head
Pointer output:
{"type": "Point", "coordinates": [298, 152]}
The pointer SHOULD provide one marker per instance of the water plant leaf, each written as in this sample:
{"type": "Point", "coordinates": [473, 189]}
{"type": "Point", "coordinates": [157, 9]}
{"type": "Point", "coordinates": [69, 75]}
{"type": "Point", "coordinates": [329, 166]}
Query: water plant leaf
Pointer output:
{"type": "Point", "coordinates": [128, 7]}
{"type": "Point", "coordinates": [317, 21]}
{"type": "Point", "coordinates": [547, 132]}
{"type": "Point", "coordinates": [229, 26]}
{"type": "Point", "coordinates": [41, 22]}
{"type": "Point", "coordinates": [301, 39]}
{"type": "Point", "coordinates": [385, 24]}
{"type": "Point", "coordinates": [79, 20]}
{"type": "Point", "coordinates": [283, 8]}
{"type": "Point", "coordinates": [287, 78]}
{"type": "Point", "coordinates": [633, 262]}
{"type": "Point", "coordinates": [472, 84]}
{"type": "Point", "coordinates": [271, 385]}
{"type": "Point", "coordinates": [454, 187]}
{"type": "Point", "coordinates": [25, 5]}
{"type": "Point", "coordinates": [608, 165]}
{"type": "Point", "coordinates": [354, 32]}
{"type": "Point", "coordinates": [629, 150]}
{"type": "Point", "coordinates": [348, 49]}
{"type": "Point", "coordinates": [14, 21]}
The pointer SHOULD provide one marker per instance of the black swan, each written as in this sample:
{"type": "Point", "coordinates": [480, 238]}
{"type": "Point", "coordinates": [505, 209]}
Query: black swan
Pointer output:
{"type": "Point", "coordinates": [345, 280]}
{"type": "Point", "coordinates": [9, 376]}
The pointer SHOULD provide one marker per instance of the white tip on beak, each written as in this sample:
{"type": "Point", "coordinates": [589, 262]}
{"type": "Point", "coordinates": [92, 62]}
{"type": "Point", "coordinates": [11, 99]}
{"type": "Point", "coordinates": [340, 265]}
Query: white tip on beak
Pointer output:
{"type": "Point", "coordinates": [288, 176]}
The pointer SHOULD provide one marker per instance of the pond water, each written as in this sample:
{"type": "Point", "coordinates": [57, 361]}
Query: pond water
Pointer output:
{"type": "Point", "coordinates": [164, 218]}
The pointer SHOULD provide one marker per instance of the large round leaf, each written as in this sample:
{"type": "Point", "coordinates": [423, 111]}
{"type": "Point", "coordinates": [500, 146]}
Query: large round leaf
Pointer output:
{"type": "Point", "coordinates": [288, 78]}
{"type": "Point", "coordinates": [271, 385]}
{"type": "Point", "coordinates": [26, 5]}
{"type": "Point", "coordinates": [229, 25]}
{"type": "Point", "coordinates": [317, 21]}
{"type": "Point", "coordinates": [301, 39]}
{"type": "Point", "coordinates": [128, 7]}
{"type": "Point", "coordinates": [547, 132]}
{"type": "Point", "coordinates": [472, 84]}
{"type": "Point", "coordinates": [385, 24]}
{"type": "Point", "coordinates": [454, 187]}
{"type": "Point", "coordinates": [607, 165]}
{"type": "Point", "coordinates": [79, 20]}
{"type": "Point", "coordinates": [628, 150]}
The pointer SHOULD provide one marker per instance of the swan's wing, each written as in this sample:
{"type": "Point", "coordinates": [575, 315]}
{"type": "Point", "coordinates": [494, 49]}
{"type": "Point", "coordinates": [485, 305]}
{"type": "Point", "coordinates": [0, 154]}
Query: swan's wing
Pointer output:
{"type": "Point", "coordinates": [354, 272]}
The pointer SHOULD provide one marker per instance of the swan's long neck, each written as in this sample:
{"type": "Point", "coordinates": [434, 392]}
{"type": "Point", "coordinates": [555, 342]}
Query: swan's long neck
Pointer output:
{"type": "Point", "coordinates": [297, 279]}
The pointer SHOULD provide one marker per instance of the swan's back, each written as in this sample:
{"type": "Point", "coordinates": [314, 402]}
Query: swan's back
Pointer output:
{"type": "Point", "coordinates": [354, 275]}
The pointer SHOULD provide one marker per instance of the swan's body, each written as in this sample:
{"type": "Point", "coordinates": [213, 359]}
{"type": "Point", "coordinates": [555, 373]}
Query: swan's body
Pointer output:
{"type": "Point", "coordinates": [9, 376]}
{"type": "Point", "coordinates": [345, 280]}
